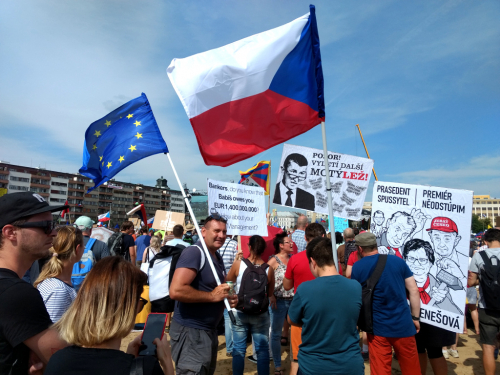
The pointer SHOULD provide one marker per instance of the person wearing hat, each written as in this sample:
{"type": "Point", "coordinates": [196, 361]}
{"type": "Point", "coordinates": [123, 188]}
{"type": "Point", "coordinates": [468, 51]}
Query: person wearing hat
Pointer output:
{"type": "Point", "coordinates": [394, 324]}
{"type": "Point", "coordinates": [99, 248]}
{"type": "Point", "coordinates": [190, 236]}
{"type": "Point", "coordinates": [27, 231]}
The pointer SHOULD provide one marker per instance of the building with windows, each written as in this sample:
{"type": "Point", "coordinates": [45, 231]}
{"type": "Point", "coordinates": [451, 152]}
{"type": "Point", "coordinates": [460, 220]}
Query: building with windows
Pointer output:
{"type": "Point", "coordinates": [115, 196]}
{"type": "Point", "coordinates": [287, 219]}
{"type": "Point", "coordinates": [485, 206]}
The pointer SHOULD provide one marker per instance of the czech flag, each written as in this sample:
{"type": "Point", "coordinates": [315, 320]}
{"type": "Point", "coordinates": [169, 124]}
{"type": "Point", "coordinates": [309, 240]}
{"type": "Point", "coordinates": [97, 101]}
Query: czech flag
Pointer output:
{"type": "Point", "coordinates": [258, 175]}
{"type": "Point", "coordinates": [139, 211]}
{"type": "Point", "coordinates": [250, 95]}
{"type": "Point", "coordinates": [104, 217]}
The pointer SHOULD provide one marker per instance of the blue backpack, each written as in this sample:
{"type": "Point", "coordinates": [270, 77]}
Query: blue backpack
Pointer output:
{"type": "Point", "coordinates": [83, 266]}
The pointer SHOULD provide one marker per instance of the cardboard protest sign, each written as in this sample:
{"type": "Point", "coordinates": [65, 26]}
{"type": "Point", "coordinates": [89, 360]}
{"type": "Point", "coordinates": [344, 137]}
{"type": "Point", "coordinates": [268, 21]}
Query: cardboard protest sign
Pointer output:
{"type": "Point", "coordinates": [302, 183]}
{"type": "Point", "coordinates": [136, 221]}
{"type": "Point", "coordinates": [166, 220]}
{"type": "Point", "coordinates": [101, 234]}
{"type": "Point", "coordinates": [340, 224]}
{"type": "Point", "coordinates": [429, 228]}
{"type": "Point", "coordinates": [243, 206]}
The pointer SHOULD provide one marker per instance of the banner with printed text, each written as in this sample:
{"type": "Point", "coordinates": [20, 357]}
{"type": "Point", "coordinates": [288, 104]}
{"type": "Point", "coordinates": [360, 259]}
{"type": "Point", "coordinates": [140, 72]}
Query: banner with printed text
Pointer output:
{"type": "Point", "coordinates": [429, 228]}
{"type": "Point", "coordinates": [302, 183]}
{"type": "Point", "coordinates": [243, 206]}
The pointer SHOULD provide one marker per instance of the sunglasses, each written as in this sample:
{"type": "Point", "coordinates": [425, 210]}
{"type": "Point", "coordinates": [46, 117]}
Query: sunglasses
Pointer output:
{"type": "Point", "coordinates": [216, 217]}
{"type": "Point", "coordinates": [46, 226]}
{"type": "Point", "coordinates": [144, 302]}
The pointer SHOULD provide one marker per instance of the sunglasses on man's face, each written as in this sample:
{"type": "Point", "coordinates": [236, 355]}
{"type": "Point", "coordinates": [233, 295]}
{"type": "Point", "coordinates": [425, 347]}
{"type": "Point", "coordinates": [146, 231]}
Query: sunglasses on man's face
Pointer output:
{"type": "Point", "coordinates": [47, 226]}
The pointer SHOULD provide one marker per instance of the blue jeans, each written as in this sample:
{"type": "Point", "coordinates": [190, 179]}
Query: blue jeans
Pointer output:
{"type": "Point", "coordinates": [258, 325]}
{"type": "Point", "coordinates": [228, 332]}
{"type": "Point", "coordinates": [277, 320]}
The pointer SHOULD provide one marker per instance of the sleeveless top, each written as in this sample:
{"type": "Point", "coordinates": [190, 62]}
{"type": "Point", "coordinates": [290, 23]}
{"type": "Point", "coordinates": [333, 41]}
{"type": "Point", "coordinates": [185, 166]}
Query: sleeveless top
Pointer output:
{"type": "Point", "coordinates": [242, 269]}
{"type": "Point", "coordinates": [279, 274]}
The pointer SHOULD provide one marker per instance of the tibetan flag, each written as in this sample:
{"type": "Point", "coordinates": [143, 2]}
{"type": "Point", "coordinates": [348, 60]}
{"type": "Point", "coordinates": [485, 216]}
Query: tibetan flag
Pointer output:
{"type": "Point", "coordinates": [250, 95]}
{"type": "Point", "coordinates": [258, 175]}
{"type": "Point", "coordinates": [104, 217]}
{"type": "Point", "coordinates": [65, 211]}
{"type": "Point", "coordinates": [126, 135]}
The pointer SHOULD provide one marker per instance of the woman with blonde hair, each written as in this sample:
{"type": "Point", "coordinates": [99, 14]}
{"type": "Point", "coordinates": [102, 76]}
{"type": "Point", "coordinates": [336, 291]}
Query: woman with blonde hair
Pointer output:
{"type": "Point", "coordinates": [152, 249]}
{"type": "Point", "coordinates": [54, 282]}
{"type": "Point", "coordinates": [102, 314]}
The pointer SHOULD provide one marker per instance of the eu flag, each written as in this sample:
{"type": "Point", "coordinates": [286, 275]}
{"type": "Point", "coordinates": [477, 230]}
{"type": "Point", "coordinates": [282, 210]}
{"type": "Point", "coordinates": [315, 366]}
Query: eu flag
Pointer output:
{"type": "Point", "coordinates": [126, 135]}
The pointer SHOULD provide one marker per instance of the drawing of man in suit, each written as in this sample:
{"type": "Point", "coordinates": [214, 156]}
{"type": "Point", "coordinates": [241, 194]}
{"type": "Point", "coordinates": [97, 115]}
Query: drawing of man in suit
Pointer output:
{"type": "Point", "coordinates": [287, 192]}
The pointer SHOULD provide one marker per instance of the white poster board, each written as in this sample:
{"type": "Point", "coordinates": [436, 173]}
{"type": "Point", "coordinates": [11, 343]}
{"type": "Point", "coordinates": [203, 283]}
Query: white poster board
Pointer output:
{"type": "Point", "coordinates": [101, 234]}
{"type": "Point", "coordinates": [429, 228]}
{"type": "Point", "coordinates": [243, 206]}
{"type": "Point", "coordinates": [302, 178]}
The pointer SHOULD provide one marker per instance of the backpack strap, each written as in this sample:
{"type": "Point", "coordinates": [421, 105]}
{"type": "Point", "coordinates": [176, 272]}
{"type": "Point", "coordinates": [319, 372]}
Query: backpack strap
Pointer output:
{"type": "Point", "coordinates": [379, 269]}
{"type": "Point", "coordinates": [488, 264]}
{"type": "Point", "coordinates": [112, 248]}
{"type": "Point", "coordinates": [247, 262]}
{"type": "Point", "coordinates": [202, 263]}
{"type": "Point", "coordinates": [90, 243]}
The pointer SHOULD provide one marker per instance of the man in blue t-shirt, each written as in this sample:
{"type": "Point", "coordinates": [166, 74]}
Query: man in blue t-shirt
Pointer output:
{"type": "Point", "coordinates": [141, 243]}
{"type": "Point", "coordinates": [199, 306]}
{"type": "Point", "coordinates": [330, 340]}
{"type": "Point", "coordinates": [394, 326]}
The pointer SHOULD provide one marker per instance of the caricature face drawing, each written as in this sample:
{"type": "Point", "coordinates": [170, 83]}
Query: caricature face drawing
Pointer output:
{"type": "Point", "coordinates": [379, 218]}
{"type": "Point", "coordinates": [419, 264]}
{"type": "Point", "coordinates": [398, 230]}
{"type": "Point", "coordinates": [444, 242]}
{"type": "Point", "coordinates": [293, 175]}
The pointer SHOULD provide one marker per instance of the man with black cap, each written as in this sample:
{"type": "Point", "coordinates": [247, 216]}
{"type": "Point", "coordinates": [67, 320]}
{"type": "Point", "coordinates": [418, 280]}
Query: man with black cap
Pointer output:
{"type": "Point", "coordinates": [26, 235]}
{"type": "Point", "coordinates": [394, 324]}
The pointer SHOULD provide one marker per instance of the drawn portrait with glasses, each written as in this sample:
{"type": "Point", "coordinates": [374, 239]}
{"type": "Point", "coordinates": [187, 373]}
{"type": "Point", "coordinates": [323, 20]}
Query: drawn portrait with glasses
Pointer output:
{"type": "Point", "coordinates": [287, 193]}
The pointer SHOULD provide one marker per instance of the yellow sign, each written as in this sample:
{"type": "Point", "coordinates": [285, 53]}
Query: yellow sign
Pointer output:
{"type": "Point", "coordinates": [3, 191]}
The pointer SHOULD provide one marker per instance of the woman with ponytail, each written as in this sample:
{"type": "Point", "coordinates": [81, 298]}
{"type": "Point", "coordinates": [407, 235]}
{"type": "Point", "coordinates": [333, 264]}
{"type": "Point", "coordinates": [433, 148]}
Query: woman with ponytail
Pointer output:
{"type": "Point", "coordinates": [54, 282]}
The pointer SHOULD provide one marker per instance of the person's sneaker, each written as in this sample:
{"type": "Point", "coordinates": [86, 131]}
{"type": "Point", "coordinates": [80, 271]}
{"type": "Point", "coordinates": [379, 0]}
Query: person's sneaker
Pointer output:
{"type": "Point", "coordinates": [366, 356]}
{"type": "Point", "coordinates": [252, 359]}
{"type": "Point", "coordinates": [445, 354]}
{"type": "Point", "coordinates": [453, 352]}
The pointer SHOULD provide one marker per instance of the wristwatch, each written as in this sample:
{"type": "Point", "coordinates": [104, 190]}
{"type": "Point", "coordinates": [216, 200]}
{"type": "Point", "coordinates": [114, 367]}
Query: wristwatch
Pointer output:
{"type": "Point", "coordinates": [417, 318]}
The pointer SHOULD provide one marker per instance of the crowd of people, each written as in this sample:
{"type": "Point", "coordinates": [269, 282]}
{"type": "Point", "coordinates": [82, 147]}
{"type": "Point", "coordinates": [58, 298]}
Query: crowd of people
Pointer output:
{"type": "Point", "coordinates": [67, 300]}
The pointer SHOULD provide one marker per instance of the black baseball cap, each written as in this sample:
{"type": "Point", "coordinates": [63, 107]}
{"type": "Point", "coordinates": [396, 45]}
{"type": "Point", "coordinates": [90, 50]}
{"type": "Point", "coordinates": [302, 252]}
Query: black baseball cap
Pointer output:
{"type": "Point", "coordinates": [20, 205]}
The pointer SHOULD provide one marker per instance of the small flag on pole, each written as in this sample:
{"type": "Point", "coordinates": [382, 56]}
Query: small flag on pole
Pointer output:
{"type": "Point", "coordinates": [258, 175]}
{"type": "Point", "coordinates": [255, 93]}
{"type": "Point", "coordinates": [126, 135]}
{"type": "Point", "coordinates": [104, 217]}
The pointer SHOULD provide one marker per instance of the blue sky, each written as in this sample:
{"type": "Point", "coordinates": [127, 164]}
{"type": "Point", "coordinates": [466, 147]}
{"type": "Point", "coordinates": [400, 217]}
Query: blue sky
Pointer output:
{"type": "Point", "coordinates": [421, 78]}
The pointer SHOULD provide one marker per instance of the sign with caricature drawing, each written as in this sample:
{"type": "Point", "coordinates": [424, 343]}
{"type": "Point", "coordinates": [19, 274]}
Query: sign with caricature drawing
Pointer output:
{"type": "Point", "coordinates": [302, 182]}
{"type": "Point", "coordinates": [428, 227]}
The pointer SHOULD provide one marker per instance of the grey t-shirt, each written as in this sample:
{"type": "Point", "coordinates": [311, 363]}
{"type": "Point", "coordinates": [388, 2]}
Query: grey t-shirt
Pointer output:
{"type": "Point", "coordinates": [100, 249]}
{"type": "Point", "coordinates": [477, 266]}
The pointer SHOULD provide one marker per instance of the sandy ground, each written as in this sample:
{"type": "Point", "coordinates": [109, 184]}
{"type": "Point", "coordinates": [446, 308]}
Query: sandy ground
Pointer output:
{"type": "Point", "coordinates": [470, 361]}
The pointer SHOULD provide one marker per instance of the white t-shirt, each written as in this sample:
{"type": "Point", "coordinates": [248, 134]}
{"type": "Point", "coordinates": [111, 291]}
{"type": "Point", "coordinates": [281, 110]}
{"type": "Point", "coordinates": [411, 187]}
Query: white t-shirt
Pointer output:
{"type": "Point", "coordinates": [243, 267]}
{"type": "Point", "coordinates": [177, 241]}
{"type": "Point", "coordinates": [477, 266]}
{"type": "Point", "coordinates": [57, 297]}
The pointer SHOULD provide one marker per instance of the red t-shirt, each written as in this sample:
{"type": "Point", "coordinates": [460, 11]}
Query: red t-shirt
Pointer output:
{"type": "Point", "coordinates": [298, 270]}
{"type": "Point", "coordinates": [353, 258]}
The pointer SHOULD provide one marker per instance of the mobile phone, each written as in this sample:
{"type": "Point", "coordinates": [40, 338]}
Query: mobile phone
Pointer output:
{"type": "Point", "coordinates": [154, 328]}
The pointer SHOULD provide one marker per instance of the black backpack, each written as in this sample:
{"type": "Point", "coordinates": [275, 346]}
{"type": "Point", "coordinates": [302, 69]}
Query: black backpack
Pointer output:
{"type": "Point", "coordinates": [252, 296]}
{"type": "Point", "coordinates": [490, 282]}
{"type": "Point", "coordinates": [188, 238]}
{"type": "Point", "coordinates": [365, 320]}
{"type": "Point", "coordinates": [116, 247]}
{"type": "Point", "coordinates": [350, 247]}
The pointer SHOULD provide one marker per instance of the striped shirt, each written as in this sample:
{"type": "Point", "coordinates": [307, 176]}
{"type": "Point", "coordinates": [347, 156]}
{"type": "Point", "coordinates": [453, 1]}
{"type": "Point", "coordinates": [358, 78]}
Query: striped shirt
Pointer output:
{"type": "Point", "coordinates": [299, 238]}
{"type": "Point", "coordinates": [57, 297]}
{"type": "Point", "coordinates": [228, 252]}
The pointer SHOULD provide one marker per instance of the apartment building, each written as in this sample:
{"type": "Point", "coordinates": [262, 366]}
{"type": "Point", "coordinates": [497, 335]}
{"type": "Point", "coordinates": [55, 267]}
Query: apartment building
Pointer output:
{"type": "Point", "coordinates": [115, 196]}
{"type": "Point", "coordinates": [485, 206]}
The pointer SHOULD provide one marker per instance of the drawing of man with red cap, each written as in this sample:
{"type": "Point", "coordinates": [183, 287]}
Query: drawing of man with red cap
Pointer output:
{"type": "Point", "coordinates": [444, 236]}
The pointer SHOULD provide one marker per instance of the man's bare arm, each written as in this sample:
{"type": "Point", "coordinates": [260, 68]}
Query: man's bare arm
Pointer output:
{"type": "Point", "coordinates": [414, 295]}
{"type": "Point", "coordinates": [45, 344]}
{"type": "Point", "coordinates": [287, 283]}
{"type": "Point", "coordinates": [472, 279]}
{"type": "Point", "coordinates": [133, 254]}
{"type": "Point", "coordinates": [182, 291]}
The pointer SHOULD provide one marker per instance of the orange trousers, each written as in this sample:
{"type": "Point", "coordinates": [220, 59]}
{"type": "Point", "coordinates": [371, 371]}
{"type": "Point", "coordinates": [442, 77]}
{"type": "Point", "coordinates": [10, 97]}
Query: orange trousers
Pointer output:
{"type": "Point", "coordinates": [380, 349]}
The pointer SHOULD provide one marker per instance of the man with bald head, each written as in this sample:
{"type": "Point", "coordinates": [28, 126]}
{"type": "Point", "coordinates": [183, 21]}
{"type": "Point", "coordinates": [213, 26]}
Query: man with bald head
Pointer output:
{"type": "Point", "coordinates": [299, 235]}
{"type": "Point", "coordinates": [347, 248]}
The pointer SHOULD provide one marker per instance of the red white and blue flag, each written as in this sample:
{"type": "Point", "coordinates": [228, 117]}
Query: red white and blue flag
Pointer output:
{"type": "Point", "coordinates": [139, 211]}
{"type": "Point", "coordinates": [258, 175]}
{"type": "Point", "coordinates": [250, 95]}
{"type": "Point", "coordinates": [104, 217]}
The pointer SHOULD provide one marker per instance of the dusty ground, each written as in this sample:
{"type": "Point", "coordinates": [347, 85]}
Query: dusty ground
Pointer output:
{"type": "Point", "coordinates": [469, 363]}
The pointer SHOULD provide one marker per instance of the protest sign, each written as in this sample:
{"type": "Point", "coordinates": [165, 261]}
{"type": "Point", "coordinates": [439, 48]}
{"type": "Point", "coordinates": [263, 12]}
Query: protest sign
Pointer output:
{"type": "Point", "coordinates": [101, 234]}
{"type": "Point", "coordinates": [166, 220]}
{"type": "Point", "coordinates": [340, 224]}
{"type": "Point", "coordinates": [243, 206]}
{"type": "Point", "coordinates": [136, 221]}
{"type": "Point", "coordinates": [429, 228]}
{"type": "Point", "coordinates": [302, 183]}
